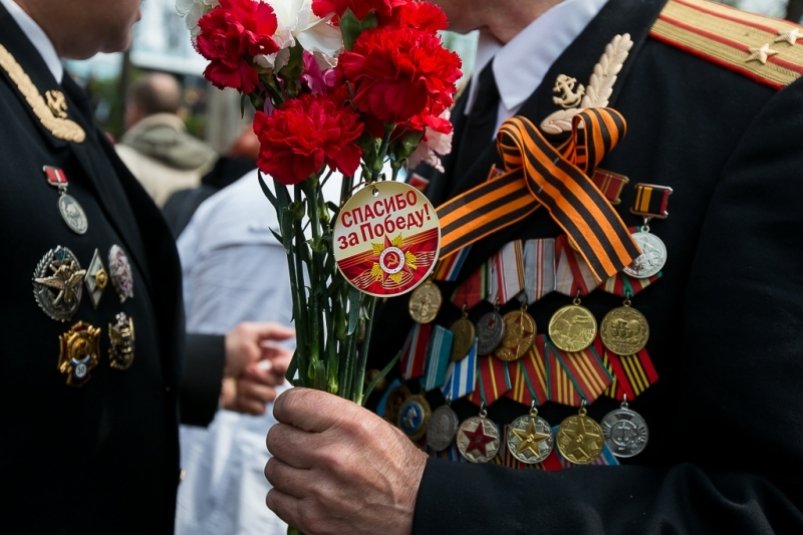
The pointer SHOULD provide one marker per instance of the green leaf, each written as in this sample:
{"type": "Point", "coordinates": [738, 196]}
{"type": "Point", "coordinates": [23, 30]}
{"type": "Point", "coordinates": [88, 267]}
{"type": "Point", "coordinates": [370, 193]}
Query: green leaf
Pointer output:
{"type": "Point", "coordinates": [352, 27]}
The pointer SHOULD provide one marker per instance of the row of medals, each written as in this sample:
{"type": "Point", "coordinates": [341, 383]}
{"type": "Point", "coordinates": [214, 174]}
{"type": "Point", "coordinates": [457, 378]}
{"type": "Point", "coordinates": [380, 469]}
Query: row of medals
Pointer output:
{"type": "Point", "coordinates": [580, 439]}
{"type": "Point", "coordinates": [58, 285]}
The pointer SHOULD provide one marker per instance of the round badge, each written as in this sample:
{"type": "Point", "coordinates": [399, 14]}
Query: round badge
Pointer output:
{"type": "Point", "coordinates": [425, 301]}
{"type": "Point", "coordinates": [652, 258]}
{"type": "Point", "coordinates": [478, 439]}
{"type": "Point", "coordinates": [580, 439]}
{"type": "Point", "coordinates": [463, 335]}
{"type": "Point", "coordinates": [572, 328]}
{"type": "Point", "coordinates": [490, 331]}
{"type": "Point", "coordinates": [58, 283]}
{"type": "Point", "coordinates": [73, 214]}
{"type": "Point", "coordinates": [442, 428]}
{"type": "Point", "coordinates": [626, 432]}
{"type": "Point", "coordinates": [413, 416]}
{"type": "Point", "coordinates": [529, 439]}
{"type": "Point", "coordinates": [386, 239]}
{"type": "Point", "coordinates": [624, 331]}
{"type": "Point", "coordinates": [519, 336]}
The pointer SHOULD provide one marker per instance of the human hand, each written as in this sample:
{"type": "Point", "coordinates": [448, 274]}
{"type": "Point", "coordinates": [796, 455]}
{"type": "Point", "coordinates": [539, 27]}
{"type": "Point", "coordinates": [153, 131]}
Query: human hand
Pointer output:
{"type": "Point", "coordinates": [255, 365]}
{"type": "Point", "coordinates": [338, 468]}
{"type": "Point", "coordinates": [249, 342]}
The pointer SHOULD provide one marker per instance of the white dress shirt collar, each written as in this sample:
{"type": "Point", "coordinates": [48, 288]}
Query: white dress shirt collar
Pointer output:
{"type": "Point", "coordinates": [520, 65]}
{"type": "Point", "coordinates": [37, 37]}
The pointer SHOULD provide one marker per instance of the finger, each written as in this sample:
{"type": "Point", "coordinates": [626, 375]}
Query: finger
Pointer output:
{"type": "Point", "coordinates": [292, 446]}
{"type": "Point", "coordinates": [287, 479]}
{"type": "Point", "coordinates": [254, 396]}
{"type": "Point", "coordinates": [312, 410]}
{"type": "Point", "coordinates": [262, 372]}
{"type": "Point", "coordinates": [274, 331]}
{"type": "Point", "coordinates": [286, 507]}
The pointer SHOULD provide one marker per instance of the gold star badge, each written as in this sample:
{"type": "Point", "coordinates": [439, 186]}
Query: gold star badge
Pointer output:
{"type": "Point", "coordinates": [760, 53]}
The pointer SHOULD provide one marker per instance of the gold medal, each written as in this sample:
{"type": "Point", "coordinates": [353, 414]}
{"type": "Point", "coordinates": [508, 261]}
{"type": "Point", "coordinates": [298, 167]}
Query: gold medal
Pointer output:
{"type": "Point", "coordinates": [80, 350]}
{"type": "Point", "coordinates": [519, 335]}
{"type": "Point", "coordinates": [572, 328]}
{"type": "Point", "coordinates": [425, 301]}
{"type": "Point", "coordinates": [463, 335]}
{"type": "Point", "coordinates": [580, 439]}
{"type": "Point", "coordinates": [529, 438]}
{"type": "Point", "coordinates": [624, 330]}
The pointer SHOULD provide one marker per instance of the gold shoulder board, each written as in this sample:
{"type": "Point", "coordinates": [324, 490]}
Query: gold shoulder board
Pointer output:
{"type": "Point", "coordinates": [767, 50]}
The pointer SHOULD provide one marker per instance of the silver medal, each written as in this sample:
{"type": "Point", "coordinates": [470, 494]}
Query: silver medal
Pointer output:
{"type": "Point", "coordinates": [652, 258]}
{"type": "Point", "coordinates": [442, 428]}
{"type": "Point", "coordinates": [626, 432]}
{"type": "Point", "coordinates": [478, 439]}
{"type": "Point", "coordinates": [73, 214]}
{"type": "Point", "coordinates": [490, 331]}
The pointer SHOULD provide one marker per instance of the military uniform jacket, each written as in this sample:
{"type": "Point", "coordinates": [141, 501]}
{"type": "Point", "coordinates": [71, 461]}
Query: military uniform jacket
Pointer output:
{"type": "Point", "coordinates": [101, 457]}
{"type": "Point", "coordinates": [725, 453]}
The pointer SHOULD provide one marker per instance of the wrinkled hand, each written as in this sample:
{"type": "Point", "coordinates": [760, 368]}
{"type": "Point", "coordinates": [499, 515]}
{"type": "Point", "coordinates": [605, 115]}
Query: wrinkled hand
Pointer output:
{"type": "Point", "coordinates": [255, 365]}
{"type": "Point", "coordinates": [338, 468]}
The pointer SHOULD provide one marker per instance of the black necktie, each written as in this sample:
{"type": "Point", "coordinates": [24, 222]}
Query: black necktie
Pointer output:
{"type": "Point", "coordinates": [479, 127]}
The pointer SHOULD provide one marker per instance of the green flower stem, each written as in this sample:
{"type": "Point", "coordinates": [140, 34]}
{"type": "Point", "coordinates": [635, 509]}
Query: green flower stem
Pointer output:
{"type": "Point", "coordinates": [369, 305]}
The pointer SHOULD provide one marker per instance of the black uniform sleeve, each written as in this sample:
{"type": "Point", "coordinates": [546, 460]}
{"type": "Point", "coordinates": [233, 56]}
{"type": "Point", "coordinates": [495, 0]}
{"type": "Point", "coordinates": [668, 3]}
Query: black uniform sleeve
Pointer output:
{"type": "Point", "coordinates": [738, 461]}
{"type": "Point", "coordinates": [201, 378]}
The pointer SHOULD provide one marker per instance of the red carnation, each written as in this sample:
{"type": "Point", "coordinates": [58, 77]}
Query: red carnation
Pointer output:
{"type": "Point", "coordinates": [360, 8]}
{"type": "Point", "coordinates": [298, 138]}
{"type": "Point", "coordinates": [398, 73]}
{"type": "Point", "coordinates": [421, 15]}
{"type": "Point", "coordinates": [231, 35]}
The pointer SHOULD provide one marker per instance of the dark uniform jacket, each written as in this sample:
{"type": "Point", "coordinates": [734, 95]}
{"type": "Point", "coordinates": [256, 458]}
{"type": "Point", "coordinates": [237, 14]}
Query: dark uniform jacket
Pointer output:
{"type": "Point", "coordinates": [100, 455]}
{"type": "Point", "coordinates": [725, 453]}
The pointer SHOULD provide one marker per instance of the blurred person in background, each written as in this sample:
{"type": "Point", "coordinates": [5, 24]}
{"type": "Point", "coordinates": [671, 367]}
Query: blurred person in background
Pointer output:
{"type": "Point", "coordinates": [156, 146]}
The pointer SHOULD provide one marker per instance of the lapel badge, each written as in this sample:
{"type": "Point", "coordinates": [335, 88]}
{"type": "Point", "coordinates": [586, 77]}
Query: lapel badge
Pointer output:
{"type": "Point", "coordinates": [80, 349]}
{"type": "Point", "coordinates": [573, 98]}
{"type": "Point", "coordinates": [120, 272]}
{"type": "Point", "coordinates": [57, 103]}
{"type": "Point", "coordinates": [96, 279]}
{"type": "Point", "coordinates": [57, 283]}
{"type": "Point", "coordinates": [121, 336]}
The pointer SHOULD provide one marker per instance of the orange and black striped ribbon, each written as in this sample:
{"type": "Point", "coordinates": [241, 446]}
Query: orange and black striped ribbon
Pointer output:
{"type": "Point", "coordinates": [538, 174]}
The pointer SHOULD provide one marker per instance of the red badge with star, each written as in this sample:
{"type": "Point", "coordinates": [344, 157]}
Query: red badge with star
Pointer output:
{"type": "Point", "coordinates": [386, 239]}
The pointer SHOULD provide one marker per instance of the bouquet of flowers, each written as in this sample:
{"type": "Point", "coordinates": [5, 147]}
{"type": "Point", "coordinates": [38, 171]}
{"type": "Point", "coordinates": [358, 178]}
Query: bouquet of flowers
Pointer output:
{"type": "Point", "coordinates": [358, 89]}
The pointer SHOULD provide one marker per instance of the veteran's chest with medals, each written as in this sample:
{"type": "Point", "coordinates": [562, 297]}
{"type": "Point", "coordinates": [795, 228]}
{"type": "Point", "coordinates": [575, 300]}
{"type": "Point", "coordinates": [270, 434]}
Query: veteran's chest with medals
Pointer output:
{"type": "Point", "coordinates": [71, 268]}
{"type": "Point", "coordinates": [492, 347]}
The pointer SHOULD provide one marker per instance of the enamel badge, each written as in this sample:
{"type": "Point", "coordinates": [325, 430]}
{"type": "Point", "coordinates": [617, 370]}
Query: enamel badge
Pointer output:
{"type": "Point", "coordinates": [57, 283]}
{"type": "Point", "coordinates": [386, 239]}
{"type": "Point", "coordinates": [80, 350]}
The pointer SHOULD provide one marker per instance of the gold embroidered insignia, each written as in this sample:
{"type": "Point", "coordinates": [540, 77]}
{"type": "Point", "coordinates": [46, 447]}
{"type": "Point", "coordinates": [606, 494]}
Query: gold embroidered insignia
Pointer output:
{"type": "Point", "coordinates": [51, 118]}
{"type": "Point", "coordinates": [736, 40]}
{"type": "Point", "coordinates": [57, 103]}
{"type": "Point", "coordinates": [575, 98]}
